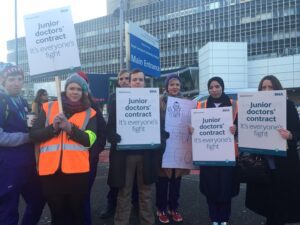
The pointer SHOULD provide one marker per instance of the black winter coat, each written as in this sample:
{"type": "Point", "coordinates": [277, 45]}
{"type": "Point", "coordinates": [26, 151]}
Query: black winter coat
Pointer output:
{"type": "Point", "coordinates": [219, 183]}
{"type": "Point", "coordinates": [117, 167]}
{"type": "Point", "coordinates": [282, 196]}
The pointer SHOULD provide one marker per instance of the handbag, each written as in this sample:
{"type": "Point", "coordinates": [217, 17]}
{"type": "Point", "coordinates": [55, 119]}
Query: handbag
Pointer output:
{"type": "Point", "coordinates": [253, 168]}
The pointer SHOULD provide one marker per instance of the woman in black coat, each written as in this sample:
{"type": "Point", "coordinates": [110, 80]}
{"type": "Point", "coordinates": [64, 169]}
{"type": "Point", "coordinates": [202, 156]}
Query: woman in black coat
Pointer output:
{"type": "Point", "coordinates": [218, 183]}
{"type": "Point", "coordinates": [279, 201]}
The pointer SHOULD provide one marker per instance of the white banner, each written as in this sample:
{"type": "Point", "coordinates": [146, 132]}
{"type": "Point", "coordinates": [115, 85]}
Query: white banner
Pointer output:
{"type": "Point", "coordinates": [138, 118]}
{"type": "Point", "coordinates": [51, 41]}
{"type": "Point", "coordinates": [213, 144]}
{"type": "Point", "coordinates": [260, 115]}
{"type": "Point", "coordinates": [178, 153]}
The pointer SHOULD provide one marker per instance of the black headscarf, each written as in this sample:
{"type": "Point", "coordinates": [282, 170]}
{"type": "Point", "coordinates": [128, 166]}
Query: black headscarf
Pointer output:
{"type": "Point", "coordinates": [223, 99]}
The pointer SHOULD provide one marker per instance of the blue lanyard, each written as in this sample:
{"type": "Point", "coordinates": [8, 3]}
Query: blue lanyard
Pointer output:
{"type": "Point", "coordinates": [19, 106]}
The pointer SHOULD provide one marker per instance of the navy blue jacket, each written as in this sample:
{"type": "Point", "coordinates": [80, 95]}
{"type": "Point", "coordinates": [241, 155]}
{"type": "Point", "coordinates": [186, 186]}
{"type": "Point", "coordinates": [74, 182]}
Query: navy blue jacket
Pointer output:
{"type": "Point", "coordinates": [15, 147]}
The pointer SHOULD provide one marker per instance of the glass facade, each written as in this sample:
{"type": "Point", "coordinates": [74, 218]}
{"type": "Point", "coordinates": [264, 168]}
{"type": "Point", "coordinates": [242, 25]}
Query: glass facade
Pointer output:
{"type": "Point", "coordinates": [270, 27]}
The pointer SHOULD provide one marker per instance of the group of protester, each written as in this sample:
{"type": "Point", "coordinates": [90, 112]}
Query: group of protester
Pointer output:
{"type": "Point", "coordinates": [55, 160]}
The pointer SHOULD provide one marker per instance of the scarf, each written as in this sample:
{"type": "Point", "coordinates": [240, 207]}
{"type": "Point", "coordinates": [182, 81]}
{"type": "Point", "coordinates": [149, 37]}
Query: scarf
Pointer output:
{"type": "Point", "coordinates": [70, 107]}
{"type": "Point", "coordinates": [166, 94]}
{"type": "Point", "coordinates": [223, 99]}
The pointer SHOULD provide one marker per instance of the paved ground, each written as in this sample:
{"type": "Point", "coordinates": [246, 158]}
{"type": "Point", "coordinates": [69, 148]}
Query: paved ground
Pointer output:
{"type": "Point", "coordinates": [192, 203]}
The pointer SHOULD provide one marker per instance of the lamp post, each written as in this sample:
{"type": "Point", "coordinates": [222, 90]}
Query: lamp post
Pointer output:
{"type": "Point", "coordinates": [121, 27]}
{"type": "Point", "coordinates": [16, 29]}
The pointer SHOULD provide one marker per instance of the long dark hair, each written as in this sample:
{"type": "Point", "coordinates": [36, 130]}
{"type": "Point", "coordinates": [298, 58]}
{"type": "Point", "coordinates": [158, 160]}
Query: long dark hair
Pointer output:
{"type": "Point", "coordinates": [39, 94]}
{"type": "Point", "coordinates": [275, 82]}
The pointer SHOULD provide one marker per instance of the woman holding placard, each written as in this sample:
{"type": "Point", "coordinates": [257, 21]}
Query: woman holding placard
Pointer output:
{"type": "Point", "coordinates": [65, 138]}
{"type": "Point", "coordinates": [218, 183]}
{"type": "Point", "coordinates": [169, 180]}
{"type": "Point", "coordinates": [279, 201]}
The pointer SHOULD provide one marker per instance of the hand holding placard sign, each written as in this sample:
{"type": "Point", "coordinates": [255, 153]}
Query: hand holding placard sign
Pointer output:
{"type": "Point", "coordinates": [138, 118]}
{"type": "Point", "coordinates": [260, 116]}
{"type": "Point", "coordinates": [212, 142]}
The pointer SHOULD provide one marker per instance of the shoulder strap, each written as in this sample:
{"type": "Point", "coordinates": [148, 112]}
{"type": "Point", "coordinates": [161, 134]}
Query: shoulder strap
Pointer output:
{"type": "Point", "coordinates": [4, 103]}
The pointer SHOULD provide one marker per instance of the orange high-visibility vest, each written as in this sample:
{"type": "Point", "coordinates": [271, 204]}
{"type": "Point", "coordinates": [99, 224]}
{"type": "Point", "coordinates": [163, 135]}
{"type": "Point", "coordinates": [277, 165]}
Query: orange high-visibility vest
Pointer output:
{"type": "Point", "coordinates": [61, 151]}
{"type": "Point", "coordinates": [203, 104]}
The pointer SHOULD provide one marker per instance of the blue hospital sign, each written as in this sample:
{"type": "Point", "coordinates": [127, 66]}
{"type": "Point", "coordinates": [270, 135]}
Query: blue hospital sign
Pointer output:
{"type": "Point", "coordinates": [142, 50]}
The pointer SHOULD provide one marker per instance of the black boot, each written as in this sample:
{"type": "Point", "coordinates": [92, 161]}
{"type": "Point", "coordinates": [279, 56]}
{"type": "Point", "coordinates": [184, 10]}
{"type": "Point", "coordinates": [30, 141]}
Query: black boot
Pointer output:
{"type": "Point", "coordinates": [108, 212]}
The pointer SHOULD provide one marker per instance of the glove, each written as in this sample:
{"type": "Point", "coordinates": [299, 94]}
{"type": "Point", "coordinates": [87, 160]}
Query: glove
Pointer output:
{"type": "Point", "coordinates": [56, 123]}
{"type": "Point", "coordinates": [64, 123]}
{"type": "Point", "coordinates": [66, 126]}
{"type": "Point", "coordinates": [114, 138]}
{"type": "Point", "coordinates": [164, 134]}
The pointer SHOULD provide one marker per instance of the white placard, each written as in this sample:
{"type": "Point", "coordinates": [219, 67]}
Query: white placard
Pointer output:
{"type": "Point", "coordinates": [138, 118]}
{"type": "Point", "coordinates": [51, 41]}
{"type": "Point", "coordinates": [260, 115]}
{"type": "Point", "coordinates": [178, 152]}
{"type": "Point", "coordinates": [212, 142]}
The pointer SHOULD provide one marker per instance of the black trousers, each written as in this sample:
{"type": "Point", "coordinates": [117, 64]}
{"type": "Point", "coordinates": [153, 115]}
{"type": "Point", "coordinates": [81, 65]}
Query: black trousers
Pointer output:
{"type": "Point", "coordinates": [67, 209]}
{"type": "Point", "coordinates": [168, 193]}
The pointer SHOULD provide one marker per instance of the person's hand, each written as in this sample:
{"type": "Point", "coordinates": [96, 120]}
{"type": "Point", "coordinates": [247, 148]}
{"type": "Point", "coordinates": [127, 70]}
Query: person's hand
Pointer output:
{"type": "Point", "coordinates": [56, 122]}
{"type": "Point", "coordinates": [285, 134]}
{"type": "Point", "coordinates": [232, 129]}
{"type": "Point", "coordinates": [33, 121]}
{"type": "Point", "coordinates": [165, 134]}
{"type": "Point", "coordinates": [191, 129]}
{"type": "Point", "coordinates": [64, 123]}
{"type": "Point", "coordinates": [114, 138]}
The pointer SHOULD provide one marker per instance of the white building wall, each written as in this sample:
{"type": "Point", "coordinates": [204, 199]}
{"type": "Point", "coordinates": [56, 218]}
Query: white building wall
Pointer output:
{"type": "Point", "coordinates": [286, 69]}
{"type": "Point", "coordinates": [225, 59]}
{"type": "Point", "coordinates": [230, 61]}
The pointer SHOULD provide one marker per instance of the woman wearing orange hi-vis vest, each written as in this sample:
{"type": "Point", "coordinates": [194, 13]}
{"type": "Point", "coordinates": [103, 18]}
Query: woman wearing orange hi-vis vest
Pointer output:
{"type": "Point", "coordinates": [63, 162]}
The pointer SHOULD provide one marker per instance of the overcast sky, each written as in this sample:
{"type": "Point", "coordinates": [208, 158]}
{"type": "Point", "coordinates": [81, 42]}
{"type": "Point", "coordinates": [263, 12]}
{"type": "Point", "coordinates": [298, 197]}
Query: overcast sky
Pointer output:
{"type": "Point", "coordinates": [81, 10]}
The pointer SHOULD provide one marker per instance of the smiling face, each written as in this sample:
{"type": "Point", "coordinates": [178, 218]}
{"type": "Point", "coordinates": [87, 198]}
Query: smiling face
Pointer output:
{"type": "Point", "coordinates": [215, 89]}
{"type": "Point", "coordinates": [174, 87]}
{"type": "Point", "coordinates": [267, 85]}
{"type": "Point", "coordinates": [14, 84]}
{"type": "Point", "coordinates": [74, 92]}
{"type": "Point", "coordinates": [123, 80]}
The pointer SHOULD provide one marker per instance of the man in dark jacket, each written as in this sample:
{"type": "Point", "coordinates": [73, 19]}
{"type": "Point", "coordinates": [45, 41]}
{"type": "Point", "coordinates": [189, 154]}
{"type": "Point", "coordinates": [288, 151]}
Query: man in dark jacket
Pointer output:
{"type": "Point", "coordinates": [126, 163]}
{"type": "Point", "coordinates": [18, 174]}
{"type": "Point", "coordinates": [109, 211]}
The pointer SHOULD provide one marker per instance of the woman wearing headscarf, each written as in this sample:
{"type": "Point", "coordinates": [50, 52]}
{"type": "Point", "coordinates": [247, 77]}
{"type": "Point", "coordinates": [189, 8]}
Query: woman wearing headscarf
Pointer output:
{"type": "Point", "coordinates": [218, 183]}
{"type": "Point", "coordinates": [279, 200]}
{"type": "Point", "coordinates": [65, 139]}
{"type": "Point", "coordinates": [169, 180]}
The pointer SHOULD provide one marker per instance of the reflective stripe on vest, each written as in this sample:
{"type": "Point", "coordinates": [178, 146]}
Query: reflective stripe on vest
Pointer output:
{"type": "Point", "coordinates": [69, 147]}
{"type": "Point", "coordinates": [201, 104]}
{"type": "Point", "coordinates": [50, 104]}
